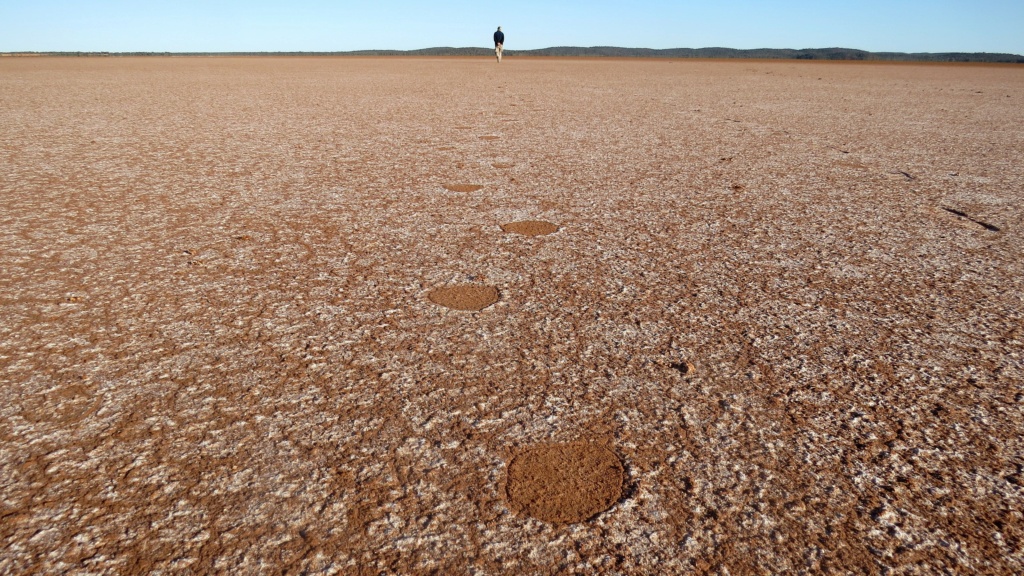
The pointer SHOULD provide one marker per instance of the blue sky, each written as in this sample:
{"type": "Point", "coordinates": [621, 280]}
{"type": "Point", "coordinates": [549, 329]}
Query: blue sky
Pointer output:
{"type": "Point", "coordinates": [322, 25]}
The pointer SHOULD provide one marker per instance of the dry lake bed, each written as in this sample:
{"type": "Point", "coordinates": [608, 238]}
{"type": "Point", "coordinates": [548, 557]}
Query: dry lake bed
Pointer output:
{"type": "Point", "coordinates": [445, 316]}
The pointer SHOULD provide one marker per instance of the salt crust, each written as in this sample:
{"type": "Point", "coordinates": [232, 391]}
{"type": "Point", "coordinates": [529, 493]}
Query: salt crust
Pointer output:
{"type": "Point", "coordinates": [217, 355]}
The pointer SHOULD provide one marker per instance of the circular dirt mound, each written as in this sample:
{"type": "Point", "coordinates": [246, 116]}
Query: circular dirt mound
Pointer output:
{"type": "Point", "coordinates": [464, 297]}
{"type": "Point", "coordinates": [530, 228]}
{"type": "Point", "coordinates": [462, 187]}
{"type": "Point", "coordinates": [564, 483]}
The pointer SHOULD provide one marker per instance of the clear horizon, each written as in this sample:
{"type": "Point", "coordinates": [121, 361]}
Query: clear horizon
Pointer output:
{"type": "Point", "coordinates": [323, 26]}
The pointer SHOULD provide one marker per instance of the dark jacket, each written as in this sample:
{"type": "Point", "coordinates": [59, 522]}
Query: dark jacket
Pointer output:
{"type": "Point", "coordinates": [499, 37]}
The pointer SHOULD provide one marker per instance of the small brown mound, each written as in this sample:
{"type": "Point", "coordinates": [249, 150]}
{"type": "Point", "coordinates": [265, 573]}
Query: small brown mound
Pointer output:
{"type": "Point", "coordinates": [564, 483]}
{"type": "Point", "coordinates": [490, 137]}
{"type": "Point", "coordinates": [530, 227]}
{"type": "Point", "coordinates": [464, 297]}
{"type": "Point", "coordinates": [462, 187]}
{"type": "Point", "coordinates": [503, 165]}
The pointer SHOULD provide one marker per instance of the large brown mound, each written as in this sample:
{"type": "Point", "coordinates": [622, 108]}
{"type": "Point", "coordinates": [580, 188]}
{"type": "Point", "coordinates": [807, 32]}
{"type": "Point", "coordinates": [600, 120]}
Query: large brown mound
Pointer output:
{"type": "Point", "coordinates": [464, 297]}
{"type": "Point", "coordinates": [530, 228]}
{"type": "Point", "coordinates": [564, 483]}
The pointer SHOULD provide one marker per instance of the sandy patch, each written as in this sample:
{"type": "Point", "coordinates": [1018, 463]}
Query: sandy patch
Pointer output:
{"type": "Point", "coordinates": [470, 297]}
{"type": "Point", "coordinates": [564, 483]}
{"type": "Point", "coordinates": [530, 228]}
{"type": "Point", "coordinates": [463, 187]}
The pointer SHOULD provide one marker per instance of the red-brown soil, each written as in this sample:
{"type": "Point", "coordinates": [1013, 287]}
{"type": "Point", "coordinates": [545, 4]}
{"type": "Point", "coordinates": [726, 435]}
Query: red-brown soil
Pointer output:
{"type": "Point", "coordinates": [564, 483]}
{"type": "Point", "coordinates": [530, 228]}
{"type": "Point", "coordinates": [464, 297]}
{"type": "Point", "coordinates": [462, 187]}
{"type": "Point", "coordinates": [218, 355]}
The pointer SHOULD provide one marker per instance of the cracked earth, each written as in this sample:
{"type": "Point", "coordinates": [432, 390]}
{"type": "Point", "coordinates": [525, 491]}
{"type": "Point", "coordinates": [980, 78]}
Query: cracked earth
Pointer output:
{"type": "Point", "coordinates": [418, 315]}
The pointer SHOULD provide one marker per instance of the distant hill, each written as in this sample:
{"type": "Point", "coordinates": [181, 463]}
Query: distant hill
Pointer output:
{"type": "Point", "coordinates": [613, 52]}
{"type": "Point", "coordinates": [773, 54]}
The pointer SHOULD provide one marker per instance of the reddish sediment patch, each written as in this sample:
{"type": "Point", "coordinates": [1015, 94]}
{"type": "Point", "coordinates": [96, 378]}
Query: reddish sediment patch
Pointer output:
{"type": "Point", "coordinates": [469, 297]}
{"type": "Point", "coordinates": [564, 483]}
{"type": "Point", "coordinates": [530, 228]}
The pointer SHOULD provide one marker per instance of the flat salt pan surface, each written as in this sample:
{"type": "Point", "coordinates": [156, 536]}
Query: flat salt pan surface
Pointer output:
{"type": "Point", "coordinates": [216, 354]}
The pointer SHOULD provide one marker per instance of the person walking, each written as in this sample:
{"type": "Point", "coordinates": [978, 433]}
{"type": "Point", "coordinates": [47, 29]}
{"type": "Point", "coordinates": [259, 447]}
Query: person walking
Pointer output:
{"type": "Point", "coordinates": [499, 43]}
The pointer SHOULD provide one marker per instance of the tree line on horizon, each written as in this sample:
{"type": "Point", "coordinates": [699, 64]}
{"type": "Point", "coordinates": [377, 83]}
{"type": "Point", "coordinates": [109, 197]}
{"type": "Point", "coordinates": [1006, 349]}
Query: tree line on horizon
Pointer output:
{"type": "Point", "coordinates": [834, 54]}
